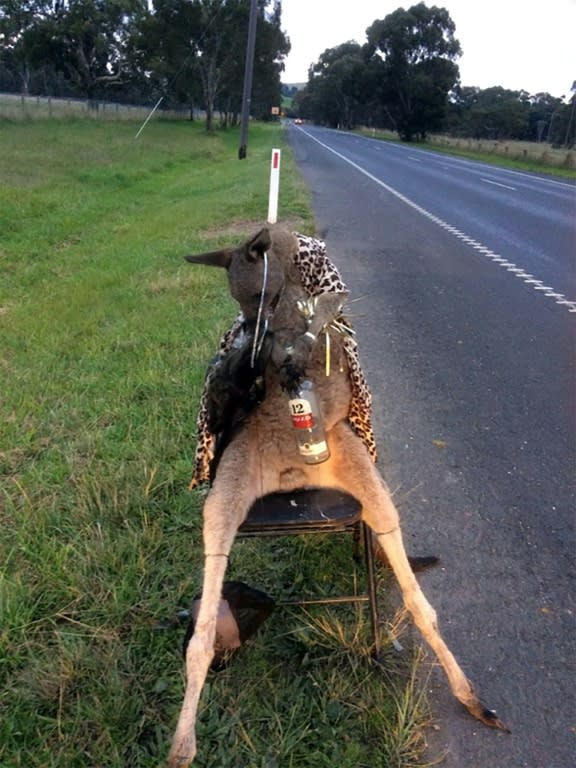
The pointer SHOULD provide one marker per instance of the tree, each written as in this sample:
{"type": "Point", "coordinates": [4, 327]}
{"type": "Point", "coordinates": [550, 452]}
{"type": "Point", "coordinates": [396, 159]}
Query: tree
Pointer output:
{"type": "Point", "coordinates": [84, 40]}
{"type": "Point", "coordinates": [493, 113]}
{"type": "Point", "coordinates": [549, 120]}
{"type": "Point", "coordinates": [163, 51]}
{"type": "Point", "coordinates": [196, 49]}
{"type": "Point", "coordinates": [272, 47]}
{"type": "Point", "coordinates": [414, 52]}
{"type": "Point", "coordinates": [223, 54]}
{"type": "Point", "coordinates": [18, 20]}
{"type": "Point", "coordinates": [334, 92]}
{"type": "Point", "coordinates": [562, 128]}
{"type": "Point", "coordinates": [542, 108]}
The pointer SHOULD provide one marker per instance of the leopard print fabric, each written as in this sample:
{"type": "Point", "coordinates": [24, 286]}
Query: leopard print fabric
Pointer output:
{"type": "Point", "coordinates": [318, 275]}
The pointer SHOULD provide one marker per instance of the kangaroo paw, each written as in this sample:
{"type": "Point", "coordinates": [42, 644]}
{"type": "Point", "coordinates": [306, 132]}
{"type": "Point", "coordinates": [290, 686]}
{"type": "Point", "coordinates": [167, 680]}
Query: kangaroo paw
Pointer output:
{"type": "Point", "coordinates": [487, 716]}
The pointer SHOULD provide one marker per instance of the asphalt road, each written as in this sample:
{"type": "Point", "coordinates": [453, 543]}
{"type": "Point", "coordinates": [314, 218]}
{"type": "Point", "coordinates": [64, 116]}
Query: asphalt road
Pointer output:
{"type": "Point", "coordinates": [466, 323]}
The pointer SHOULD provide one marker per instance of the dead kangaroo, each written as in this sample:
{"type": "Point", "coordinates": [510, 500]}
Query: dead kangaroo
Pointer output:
{"type": "Point", "coordinates": [286, 332]}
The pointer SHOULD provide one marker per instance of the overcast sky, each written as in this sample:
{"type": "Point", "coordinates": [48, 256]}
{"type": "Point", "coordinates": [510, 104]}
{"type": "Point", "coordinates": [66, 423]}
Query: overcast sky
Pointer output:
{"type": "Point", "coordinates": [518, 44]}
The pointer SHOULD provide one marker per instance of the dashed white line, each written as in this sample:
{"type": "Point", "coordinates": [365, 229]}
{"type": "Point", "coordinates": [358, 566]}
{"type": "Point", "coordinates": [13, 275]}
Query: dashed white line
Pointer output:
{"type": "Point", "coordinates": [498, 184]}
{"type": "Point", "coordinates": [537, 285]}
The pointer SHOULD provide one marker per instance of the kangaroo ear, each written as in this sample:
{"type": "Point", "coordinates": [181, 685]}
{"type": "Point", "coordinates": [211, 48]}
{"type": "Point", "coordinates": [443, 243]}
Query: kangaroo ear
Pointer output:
{"type": "Point", "coordinates": [212, 258]}
{"type": "Point", "coordinates": [257, 247]}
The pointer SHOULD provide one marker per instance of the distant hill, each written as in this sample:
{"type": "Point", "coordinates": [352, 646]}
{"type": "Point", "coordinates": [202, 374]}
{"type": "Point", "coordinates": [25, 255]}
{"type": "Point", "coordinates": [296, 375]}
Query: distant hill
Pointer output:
{"type": "Point", "coordinates": [290, 88]}
{"type": "Point", "coordinates": [289, 91]}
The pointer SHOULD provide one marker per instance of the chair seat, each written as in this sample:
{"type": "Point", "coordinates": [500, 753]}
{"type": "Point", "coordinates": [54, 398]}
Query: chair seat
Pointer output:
{"type": "Point", "coordinates": [304, 510]}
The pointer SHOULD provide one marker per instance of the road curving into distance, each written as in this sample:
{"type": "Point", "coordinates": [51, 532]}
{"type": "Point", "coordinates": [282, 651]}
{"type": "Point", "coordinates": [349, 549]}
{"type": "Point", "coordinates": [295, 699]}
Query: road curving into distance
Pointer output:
{"type": "Point", "coordinates": [466, 320]}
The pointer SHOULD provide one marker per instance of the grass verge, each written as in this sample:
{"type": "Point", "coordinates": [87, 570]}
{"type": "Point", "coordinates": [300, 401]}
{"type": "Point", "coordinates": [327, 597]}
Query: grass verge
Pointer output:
{"type": "Point", "coordinates": [106, 334]}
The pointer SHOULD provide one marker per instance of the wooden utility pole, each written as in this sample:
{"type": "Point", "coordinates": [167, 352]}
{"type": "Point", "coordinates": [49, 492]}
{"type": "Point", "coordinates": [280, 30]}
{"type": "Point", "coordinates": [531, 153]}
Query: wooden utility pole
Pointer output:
{"type": "Point", "coordinates": [248, 71]}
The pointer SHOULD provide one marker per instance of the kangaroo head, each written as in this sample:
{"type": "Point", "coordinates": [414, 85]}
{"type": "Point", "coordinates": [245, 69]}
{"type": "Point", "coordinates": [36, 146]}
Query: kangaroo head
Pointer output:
{"type": "Point", "coordinates": [257, 271]}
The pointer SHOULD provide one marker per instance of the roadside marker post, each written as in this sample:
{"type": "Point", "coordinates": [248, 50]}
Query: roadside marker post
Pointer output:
{"type": "Point", "coordinates": [274, 187]}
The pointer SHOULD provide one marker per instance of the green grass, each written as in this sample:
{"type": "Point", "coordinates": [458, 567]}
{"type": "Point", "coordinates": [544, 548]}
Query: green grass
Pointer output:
{"type": "Point", "coordinates": [106, 334]}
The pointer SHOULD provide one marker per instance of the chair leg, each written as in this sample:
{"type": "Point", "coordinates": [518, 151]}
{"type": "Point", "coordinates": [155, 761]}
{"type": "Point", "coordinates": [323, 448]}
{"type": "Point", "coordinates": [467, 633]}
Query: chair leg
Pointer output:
{"type": "Point", "coordinates": [372, 593]}
{"type": "Point", "coordinates": [357, 538]}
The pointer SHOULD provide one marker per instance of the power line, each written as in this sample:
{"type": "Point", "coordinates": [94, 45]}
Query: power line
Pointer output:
{"type": "Point", "coordinates": [192, 53]}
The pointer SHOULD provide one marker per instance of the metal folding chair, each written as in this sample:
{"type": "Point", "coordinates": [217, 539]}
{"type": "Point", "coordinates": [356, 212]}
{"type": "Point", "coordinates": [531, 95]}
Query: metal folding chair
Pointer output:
{"type": "Point", "coordinates": [318, 510]}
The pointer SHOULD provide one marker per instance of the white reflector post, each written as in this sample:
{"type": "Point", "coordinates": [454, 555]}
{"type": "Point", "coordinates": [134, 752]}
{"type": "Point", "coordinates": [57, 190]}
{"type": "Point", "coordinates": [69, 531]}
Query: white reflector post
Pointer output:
{"type": "Point", "coordinates": [274, 187]}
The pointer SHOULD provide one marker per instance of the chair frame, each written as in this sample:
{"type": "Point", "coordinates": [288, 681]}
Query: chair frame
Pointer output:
{"type": "Point", "coordinates": [308, 511]}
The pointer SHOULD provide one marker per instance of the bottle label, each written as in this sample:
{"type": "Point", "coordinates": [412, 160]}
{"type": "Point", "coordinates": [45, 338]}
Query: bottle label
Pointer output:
{"type": "Point", "coordinates": [301, 413]}
{"type": "Point", "coordinates": [314, 449]}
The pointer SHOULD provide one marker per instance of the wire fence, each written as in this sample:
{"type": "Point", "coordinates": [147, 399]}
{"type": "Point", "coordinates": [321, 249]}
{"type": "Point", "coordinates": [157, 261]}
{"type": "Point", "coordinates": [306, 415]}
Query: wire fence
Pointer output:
{"type": "Point", "coordinates": [19, 107]}
{"type": "Point", "coordinates": [539, 153]}
{"type": "Point", "coordinates": [536, 152]}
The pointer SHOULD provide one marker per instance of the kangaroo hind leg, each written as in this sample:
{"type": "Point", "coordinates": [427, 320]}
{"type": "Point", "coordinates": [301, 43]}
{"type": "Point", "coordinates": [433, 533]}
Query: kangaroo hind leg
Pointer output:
{"type": "Point", "coordinates": [361, 478]}
{"type": "Point", "coordinates": [224, 510]}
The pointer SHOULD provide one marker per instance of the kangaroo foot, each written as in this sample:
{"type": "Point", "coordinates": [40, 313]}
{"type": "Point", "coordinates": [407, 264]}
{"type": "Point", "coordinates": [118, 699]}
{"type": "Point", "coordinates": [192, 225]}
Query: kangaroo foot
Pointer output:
{"type": "Point", "coordinates": [487, 716]}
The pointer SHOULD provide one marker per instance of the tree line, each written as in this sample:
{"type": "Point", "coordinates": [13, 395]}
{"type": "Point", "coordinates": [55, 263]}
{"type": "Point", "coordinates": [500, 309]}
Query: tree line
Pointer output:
{"type": "Point", "coordinates": [184, 52]}
{"type": "Point", "coordinates": [404, 78]}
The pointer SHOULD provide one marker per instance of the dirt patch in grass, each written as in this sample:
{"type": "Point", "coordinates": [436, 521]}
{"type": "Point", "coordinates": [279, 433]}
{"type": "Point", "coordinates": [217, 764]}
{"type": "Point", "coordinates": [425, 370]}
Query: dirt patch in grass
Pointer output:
{"type": "Point", "coordinates": [246, 227]}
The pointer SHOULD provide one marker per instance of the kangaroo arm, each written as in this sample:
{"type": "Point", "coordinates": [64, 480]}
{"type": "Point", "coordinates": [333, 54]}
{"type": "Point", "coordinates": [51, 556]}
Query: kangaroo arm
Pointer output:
{"type": "Point", "coordinates": [327, 307]}
{"type": "Point", "coordinates": [292, 358]}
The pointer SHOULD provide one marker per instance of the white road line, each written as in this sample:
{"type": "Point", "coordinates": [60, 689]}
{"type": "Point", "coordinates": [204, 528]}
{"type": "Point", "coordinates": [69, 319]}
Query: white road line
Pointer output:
{"type": "Point", "coordinates": [497, 184]}
{"type": "Point", "coordinates": [537, 285]}
{"type": "Point", "coordinates": [441, 158]}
